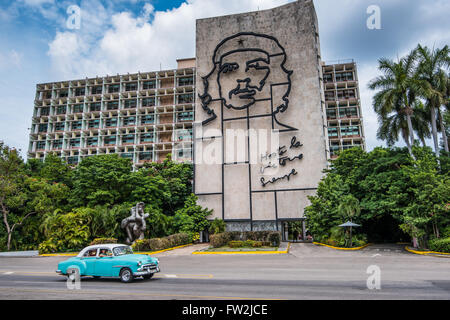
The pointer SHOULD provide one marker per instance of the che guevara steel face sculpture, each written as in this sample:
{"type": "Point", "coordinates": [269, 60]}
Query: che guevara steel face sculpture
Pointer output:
{"type": "Point", "coordinates": [247, 68]}
{"type": "Point", "coordinates": [135, 224]}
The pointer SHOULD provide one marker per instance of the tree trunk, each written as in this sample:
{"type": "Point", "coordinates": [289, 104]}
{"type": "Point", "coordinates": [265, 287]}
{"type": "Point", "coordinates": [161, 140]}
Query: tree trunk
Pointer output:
{"type": "Point", "coordinates": [434, 131]}
{"type": "Point", "coordinates": [444, 134]}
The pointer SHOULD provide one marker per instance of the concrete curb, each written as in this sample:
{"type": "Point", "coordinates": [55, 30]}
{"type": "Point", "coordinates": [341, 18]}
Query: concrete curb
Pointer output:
{"type": "Point", "coordinates": [429, 253]}
{"type": "Point", "coordinates": [138, 252]}
{"type": "Point", "coordinates": [245, 252]}
{"type": "Point", "coordinates": [346, 249]}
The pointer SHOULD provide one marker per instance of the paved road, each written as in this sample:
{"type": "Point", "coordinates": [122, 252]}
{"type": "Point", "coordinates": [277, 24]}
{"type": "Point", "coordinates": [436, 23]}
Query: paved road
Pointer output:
{"type": "Point", "coordinates": [308, 272]}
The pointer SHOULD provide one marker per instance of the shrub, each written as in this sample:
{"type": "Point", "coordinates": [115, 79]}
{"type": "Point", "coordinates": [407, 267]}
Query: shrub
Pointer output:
{"type": "Point", "coordinates": [257, 244]}
{"type": "Point", "coordinates": [156, 244]}
{"type": "Point", "coordinates": [236, 244]}
{"type": "Point", "coordinates": [141, 245]}
{"type": "Point", "coordinates": [217, 226]}
{"type": "Point", "coordinates": [103, 241]}
{"type": "Point", "coordinates": [440, 245]}
{"type": "Point", "coordinates": [220, 239]}
{"type": "Point", "coordinates": [275, 239]}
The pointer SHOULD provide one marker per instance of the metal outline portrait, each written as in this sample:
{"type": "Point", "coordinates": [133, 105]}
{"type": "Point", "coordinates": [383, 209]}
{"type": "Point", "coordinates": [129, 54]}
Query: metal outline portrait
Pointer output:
{"type": "Point", "coordinates": [206, 97]}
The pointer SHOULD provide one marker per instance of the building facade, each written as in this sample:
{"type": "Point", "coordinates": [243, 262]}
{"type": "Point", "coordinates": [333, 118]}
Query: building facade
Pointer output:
{"type": "Point", "coordinates": [142, 117]}
{"type": "Point", "coordinates": [343, 107]}
{"type": "Point", "coordinates": [262, 74]}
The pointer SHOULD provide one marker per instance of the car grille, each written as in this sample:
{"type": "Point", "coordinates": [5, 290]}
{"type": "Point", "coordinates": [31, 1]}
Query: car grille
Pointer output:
{"type": "Point", "coordinates": [149, 266]}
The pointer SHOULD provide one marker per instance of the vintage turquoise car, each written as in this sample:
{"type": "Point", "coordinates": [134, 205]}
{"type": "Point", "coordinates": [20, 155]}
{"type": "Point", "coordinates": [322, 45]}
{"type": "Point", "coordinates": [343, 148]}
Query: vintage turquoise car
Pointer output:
{"type": "Point", "coordinates": [110, 260]}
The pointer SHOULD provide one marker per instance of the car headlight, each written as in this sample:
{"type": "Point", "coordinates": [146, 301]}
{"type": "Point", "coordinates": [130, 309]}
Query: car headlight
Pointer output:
{"type": "Point", "coordinates": [139, 263]}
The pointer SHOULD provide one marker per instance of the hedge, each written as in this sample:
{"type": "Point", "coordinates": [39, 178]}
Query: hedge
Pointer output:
{"type": "Point", "coordinates": [156, 244]}
{"type": "Point", "coordinates": [103, 241]}
{"type": "Point", "coordinates": [271, 238]}
{"type": "Point", "coordinates": [440, 245]}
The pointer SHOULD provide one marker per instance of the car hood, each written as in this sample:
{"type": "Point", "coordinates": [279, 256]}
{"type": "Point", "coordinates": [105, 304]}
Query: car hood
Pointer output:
{"type": "Point", "coordinates": [144, 258]}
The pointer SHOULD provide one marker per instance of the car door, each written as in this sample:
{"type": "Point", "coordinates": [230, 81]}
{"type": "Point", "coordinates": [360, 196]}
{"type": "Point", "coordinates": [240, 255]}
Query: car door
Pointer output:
{"type": "Point", "coordinates": [103, 265]}
{"type": "Point", "coordinates": [89, 259]}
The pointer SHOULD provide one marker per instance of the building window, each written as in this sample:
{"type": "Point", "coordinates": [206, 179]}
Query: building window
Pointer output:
{"type": "Point", "coordinates": [129, 138]}
{"type": "Point", "coordinates": [78, 108]}
{"type": "Point", "coordinates": [63, 94]}
{"type": "Point", "coordinates": [127, 155]}
{"type": "Point", "coordinates": [112, 122]}
{"type": "Point", "coordinates": [110, 140]}
{"type": "Point", "coordinates": [129, 121]}
{"type": "Point", "coordinates": [328, 78]}
{"type": "Point", "coordinates": [95, 106]}
{"type": "Point", "coordinates": [145, 156]}
{"type": "Point", "coordinates": [57, 144]}
{"type": "Point", "coordinates": [94, 123]}
{"type": "Point", "coordinates": [185, 116]}
{"type": "Point", "coordinates": [131, 86]}
{"type": "Point", "coordinates": [331, 114]}
{"type": "Point", "coordinates": [148, 119]}
{"type": "Point", "coordinates": [147, 137]}
{"type": "Point", "coordinates": [130, 104]}
{"type": "Point", "coordinates": [59, 126]}
{"type": "Point", "coordinates": [149, 85]}
{"type": "Point", "coordinates": [92, 142]}
{"type": "Point", "coordinates": [61, 110]}
{"type": "Point", "coordinates": [76, 125]}
{"type": "Point", "coordinates": [45, 111]}
{"type": "Point", "coordinates": [148, 102]}
{"type": "Point", "coordinates": [112, 105]}
{"type": "Point", "coordinates": [40, 145]}
{"type": "Point", "coordinates": [185, 98]}
{"type": "Point", "coordinates": [79, 92]}
{"type": "Point", "coordinates": [332, 132]}
{"type": "Point", "coordinates": [114, 88]}
{"type": "Point", "coordinates": [72, 160]}
{"type": "Point", "coordinates": [74, 143]}
{"type": "Point", "coordinates": [97, 90]}
{"type": "Point", "coordinates": [185, 81]}
{"type": "Point", "coordinates": [345, 76]}
{"type": "Point", "coordinates": [43, 127]}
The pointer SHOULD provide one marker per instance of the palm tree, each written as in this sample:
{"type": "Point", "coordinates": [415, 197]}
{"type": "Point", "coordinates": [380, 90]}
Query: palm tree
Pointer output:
{"type": "Point", "coordinates": [395, 124]}
{"type": "Point", "coordinates": [431, 70]}
{"type": "Point", "coordinates": [398, 88]}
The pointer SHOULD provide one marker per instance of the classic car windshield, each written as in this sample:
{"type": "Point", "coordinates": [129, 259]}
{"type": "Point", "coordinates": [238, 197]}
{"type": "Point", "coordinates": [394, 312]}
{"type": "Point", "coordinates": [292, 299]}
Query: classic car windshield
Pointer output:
{"type": "Point", "coordinates": [120, 251]}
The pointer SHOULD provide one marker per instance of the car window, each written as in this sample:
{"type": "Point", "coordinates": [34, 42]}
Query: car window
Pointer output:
{"type": "Point", "coordinates": [90, 253]}
{"type": "Point", "coordinates": [120, 251]}
{"type": "Point", "coordinates": [105, 252]}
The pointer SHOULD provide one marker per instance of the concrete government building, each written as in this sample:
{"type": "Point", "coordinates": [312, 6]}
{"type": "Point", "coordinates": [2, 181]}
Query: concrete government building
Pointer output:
{"type": "Point", "coordinates": [259, 73]}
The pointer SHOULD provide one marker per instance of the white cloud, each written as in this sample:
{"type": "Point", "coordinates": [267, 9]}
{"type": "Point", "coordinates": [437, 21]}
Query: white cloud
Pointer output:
{"type": "Point", "coordinates": [118, 42]}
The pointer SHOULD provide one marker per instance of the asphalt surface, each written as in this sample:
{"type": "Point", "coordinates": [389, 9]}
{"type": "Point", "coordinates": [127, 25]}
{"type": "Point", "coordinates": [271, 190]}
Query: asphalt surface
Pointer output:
{"type": "Point", "coordinates": [307, 272]}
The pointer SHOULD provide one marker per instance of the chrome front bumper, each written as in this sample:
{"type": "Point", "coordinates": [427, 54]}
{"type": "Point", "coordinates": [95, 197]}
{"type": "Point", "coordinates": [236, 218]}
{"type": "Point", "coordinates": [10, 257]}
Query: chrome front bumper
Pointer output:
{"type": "Point", "coordinates": [144, 270]}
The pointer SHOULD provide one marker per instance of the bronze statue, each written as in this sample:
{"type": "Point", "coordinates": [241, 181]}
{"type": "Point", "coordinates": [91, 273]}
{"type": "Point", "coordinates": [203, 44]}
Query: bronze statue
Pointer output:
{"type": "Point", "coordinates": [135, 224]}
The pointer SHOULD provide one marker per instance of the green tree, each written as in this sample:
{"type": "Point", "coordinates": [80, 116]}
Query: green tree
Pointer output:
{"type": "Point", "coordinates": [349, 207]}
{"type": "Point", "coordinates": [432, 70]}
{"type": "Point", "coordinates": [399, 88]}
{"type": "Point", "coordinates": [192, 217]}
{"type": "Point", "coordinates": [101, 180]}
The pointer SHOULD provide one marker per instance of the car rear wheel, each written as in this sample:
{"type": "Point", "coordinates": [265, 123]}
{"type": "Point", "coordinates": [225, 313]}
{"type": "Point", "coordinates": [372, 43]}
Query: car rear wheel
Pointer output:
{"type": "Point", "coordinates": [126, 275]}
{"type": "Point", "coordinates": [148, 276]}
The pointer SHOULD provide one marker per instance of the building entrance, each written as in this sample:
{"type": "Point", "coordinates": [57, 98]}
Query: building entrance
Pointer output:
{"type": "Point", "coordinates": [295, 231]}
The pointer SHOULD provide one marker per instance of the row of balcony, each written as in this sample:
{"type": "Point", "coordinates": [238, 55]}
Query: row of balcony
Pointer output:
{"type": "Point", "coordinates": [113, 88]}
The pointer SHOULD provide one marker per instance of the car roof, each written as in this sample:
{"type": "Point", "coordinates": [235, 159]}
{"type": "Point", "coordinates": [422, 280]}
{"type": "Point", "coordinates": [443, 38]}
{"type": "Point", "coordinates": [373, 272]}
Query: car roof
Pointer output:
{"type": "Point", "coordinates": [106, 246]}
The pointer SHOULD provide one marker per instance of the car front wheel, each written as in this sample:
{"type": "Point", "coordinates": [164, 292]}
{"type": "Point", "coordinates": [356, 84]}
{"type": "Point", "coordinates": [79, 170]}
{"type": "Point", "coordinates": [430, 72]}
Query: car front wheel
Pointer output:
{"type": "Point", "coordinates": [126, 275]}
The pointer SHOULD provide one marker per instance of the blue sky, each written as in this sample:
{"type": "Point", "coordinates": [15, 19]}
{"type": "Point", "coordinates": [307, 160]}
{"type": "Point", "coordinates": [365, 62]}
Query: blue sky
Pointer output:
{"type": "Point", "coordinates": [120, 36]}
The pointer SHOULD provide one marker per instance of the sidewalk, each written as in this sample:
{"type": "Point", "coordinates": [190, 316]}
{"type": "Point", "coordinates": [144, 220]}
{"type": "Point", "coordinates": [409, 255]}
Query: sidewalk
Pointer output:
{"type": "Point", "coordinates": [18, 254]}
